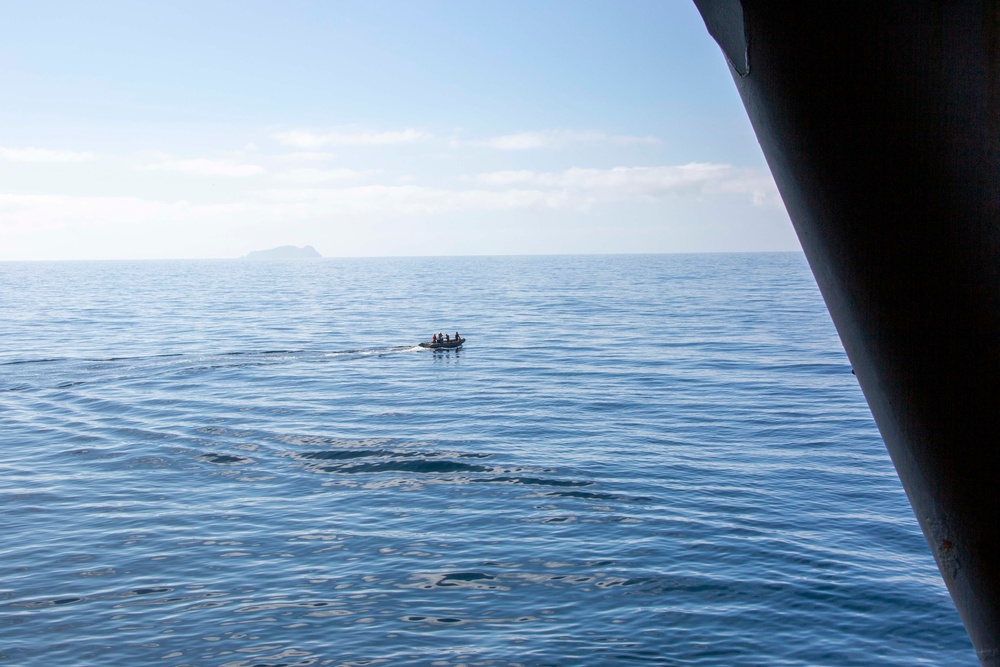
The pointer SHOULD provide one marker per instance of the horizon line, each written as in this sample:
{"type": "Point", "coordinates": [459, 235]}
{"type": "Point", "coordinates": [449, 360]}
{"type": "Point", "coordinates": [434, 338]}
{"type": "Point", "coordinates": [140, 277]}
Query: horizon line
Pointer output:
{"type": "Point", "coordinates": [342, 257]}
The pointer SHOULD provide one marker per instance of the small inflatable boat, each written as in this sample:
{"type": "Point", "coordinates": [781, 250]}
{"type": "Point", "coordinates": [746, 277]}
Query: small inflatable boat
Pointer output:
{"type": "Point", "coordinates": [452, 344]}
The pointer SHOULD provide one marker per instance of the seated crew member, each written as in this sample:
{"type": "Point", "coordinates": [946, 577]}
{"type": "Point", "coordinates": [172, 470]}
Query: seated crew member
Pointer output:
{"type": "Point", "coordinates": [434, 338]}
{"type": "Point", "coordinates": [447, 338]}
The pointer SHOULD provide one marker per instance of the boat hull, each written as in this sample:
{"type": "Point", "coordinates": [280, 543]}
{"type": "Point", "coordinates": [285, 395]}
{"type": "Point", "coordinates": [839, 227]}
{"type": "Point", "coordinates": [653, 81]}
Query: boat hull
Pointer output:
{"type": "Point", "coordinates": [447, 345]}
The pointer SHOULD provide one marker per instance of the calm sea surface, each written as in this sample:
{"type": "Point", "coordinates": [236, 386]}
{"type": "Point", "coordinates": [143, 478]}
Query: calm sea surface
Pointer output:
{"type": "Point", "coordinates": [634, 460]}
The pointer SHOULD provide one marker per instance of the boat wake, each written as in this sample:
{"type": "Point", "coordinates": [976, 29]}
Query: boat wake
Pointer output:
{"type": "Point", "coordinates": [62, 373]}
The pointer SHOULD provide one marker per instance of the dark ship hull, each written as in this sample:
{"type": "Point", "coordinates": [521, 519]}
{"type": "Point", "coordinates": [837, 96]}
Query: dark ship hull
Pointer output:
{"type": "Point", "coordinates": [880, 122]}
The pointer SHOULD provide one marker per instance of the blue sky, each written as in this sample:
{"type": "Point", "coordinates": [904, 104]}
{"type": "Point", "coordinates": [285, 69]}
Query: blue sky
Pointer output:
{"type": "Point", "coordinates": [183, 129]}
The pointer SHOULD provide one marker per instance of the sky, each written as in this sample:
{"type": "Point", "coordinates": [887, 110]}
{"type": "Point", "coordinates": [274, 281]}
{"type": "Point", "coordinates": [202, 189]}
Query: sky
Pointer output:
{"type": "Point", "coordinates": [138, 130]}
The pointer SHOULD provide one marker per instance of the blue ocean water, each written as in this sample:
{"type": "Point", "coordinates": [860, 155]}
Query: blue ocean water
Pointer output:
{"type": "Point", "coordinates": [654, 459]}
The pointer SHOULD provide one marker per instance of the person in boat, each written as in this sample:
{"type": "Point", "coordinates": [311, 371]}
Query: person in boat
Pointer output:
{"type": "Point", "coordinates": [457, 337]}
{"type": "Point", "coordinates": [434, 338]}
{"type": "Point", "coordinates": [447, 338]}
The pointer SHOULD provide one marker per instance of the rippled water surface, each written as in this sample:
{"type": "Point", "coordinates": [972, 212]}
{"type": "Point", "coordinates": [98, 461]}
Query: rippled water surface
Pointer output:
{"type": "Point", "coordinates": [633, 460]}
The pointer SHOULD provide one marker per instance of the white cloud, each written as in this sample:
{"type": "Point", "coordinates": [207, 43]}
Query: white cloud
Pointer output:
{"type": "Point", "coordinates": [631, 182]}
{"type": "Point", "coordinates": [309, 140]}
{"type": "Point", "coordinates": [503, 178]}
{"type": "Point", "coordinates": [572, 189]}
{"type": "Point", "coordinates": [206, 167]}
{"type": "Point", "coordinates": [305, 156]}
{"type": "Point", "coordinates": [522, 141]}
{"type": "Point", "coordinates": [642, 180]}
{"type": "Point", "coordinates": [308, 175]}
{"type": "Point", "coordinates": [338, 193]}
{"type": "Point", "coordinates": [401, 200]}
{"type": "Point", "coordinates": [43, 155]}
{"type": "Point", "coordinates": [24, 213]}
{"type": "Point", "coordinates": [758, 183]}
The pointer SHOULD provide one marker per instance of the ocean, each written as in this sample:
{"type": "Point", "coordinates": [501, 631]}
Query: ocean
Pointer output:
{"type": "Point", "coordinates": [642, 459]}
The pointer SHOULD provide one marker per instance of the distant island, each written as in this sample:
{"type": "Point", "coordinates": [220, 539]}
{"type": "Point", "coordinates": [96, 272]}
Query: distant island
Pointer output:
{"type": "Point", "coordinates": [285, 252]}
